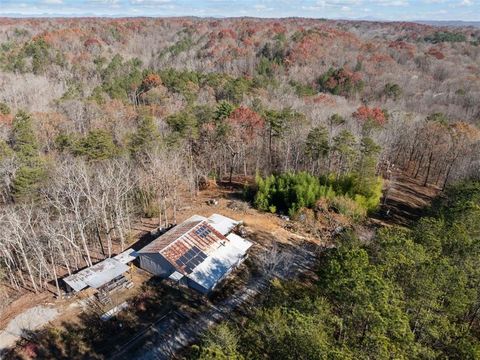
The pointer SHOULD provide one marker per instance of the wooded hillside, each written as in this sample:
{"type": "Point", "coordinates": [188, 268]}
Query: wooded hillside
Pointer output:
{"type": "Point", "coordinates": [103, 121]}
{"type": "Point", "coordinates": [407, 294]}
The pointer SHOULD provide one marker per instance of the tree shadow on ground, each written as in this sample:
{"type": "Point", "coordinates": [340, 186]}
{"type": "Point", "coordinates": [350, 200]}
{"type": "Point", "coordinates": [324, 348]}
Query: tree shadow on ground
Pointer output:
{"type": "Point", "coordinates": [88, 337]}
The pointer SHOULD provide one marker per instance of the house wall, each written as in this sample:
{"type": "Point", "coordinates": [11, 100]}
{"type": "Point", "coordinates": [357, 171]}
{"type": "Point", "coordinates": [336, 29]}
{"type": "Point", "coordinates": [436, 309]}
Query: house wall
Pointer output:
{"type": "Point", "coordinates": [196, 286]}
{"type": "Point", "coordinates": [155, 264]}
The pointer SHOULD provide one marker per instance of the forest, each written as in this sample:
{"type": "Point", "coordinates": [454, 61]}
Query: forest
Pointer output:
{"type": "Point", "coordinates": [107, 121]}
{"type": "Point", "coordinates": [408, 294]}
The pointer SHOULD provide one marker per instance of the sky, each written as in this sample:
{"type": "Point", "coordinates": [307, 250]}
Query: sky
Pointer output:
{"type": "Point", "coordinates": [397, 10]}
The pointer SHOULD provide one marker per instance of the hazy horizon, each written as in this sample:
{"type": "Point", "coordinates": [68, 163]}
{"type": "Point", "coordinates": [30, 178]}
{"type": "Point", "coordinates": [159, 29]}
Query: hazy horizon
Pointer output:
{"type": "Point", "coordinates": [378, 10]}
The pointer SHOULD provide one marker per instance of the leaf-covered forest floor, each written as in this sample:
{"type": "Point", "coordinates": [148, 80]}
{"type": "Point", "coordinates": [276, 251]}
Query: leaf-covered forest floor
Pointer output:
{"type": "Point", "coordinates": [405, 199]}
{"type": "Point", "coordinates": [70, 309]}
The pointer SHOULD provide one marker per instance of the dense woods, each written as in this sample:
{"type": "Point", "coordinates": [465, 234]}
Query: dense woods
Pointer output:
{"type": "Point", "coordinates": [105, 121]}
{"type": "Point", "coordinates": [408, 294]}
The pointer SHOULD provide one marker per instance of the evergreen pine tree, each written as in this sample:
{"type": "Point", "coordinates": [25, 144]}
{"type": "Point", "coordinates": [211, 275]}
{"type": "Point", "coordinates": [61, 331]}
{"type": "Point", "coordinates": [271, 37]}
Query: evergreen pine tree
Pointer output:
{"type": "Point", "coordinates": [145, 137]}
{"type": "Point", "coordinates": [31, 172]}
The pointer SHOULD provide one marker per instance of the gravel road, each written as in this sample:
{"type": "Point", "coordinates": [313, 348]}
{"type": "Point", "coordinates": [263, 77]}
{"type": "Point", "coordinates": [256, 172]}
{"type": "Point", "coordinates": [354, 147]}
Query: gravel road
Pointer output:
{"type": "Point", "coordinates": [31, 319]}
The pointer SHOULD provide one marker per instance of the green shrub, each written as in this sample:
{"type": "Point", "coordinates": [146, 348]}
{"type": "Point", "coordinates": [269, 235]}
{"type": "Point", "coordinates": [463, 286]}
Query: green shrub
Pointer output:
{"type": "Point", "coordinates": [303, 89]}
{"type": "Point", "coordinates": [183, 124]}
{"type": "Point", "coordinates": [182, 82]}
{"type": "Point", "coordinates": [341, 82]}
{"type": "Point", "coordinates": [120, 79]}
{"type": "Point", "coordinates": [31, 172]}
{"type": "Point", "coordinates": [392, 91]}
{"type": "Point", "coordinates": [234, 89]}
{"type": "Point", "coordinates": [38, 51]}
{"type": "Point", "coordinates": [97, 95]}
{"type": "Point", "coordinates": [223, 110]}
{"type": "Point", "coordinates": [65, 142]}
{"type": "Point", "coordinates": [367, 194]}
{"type": "Point", "coordinates": [438, 117]}
{"type": "Point", "coordinates": [145, 137]}
{"type": "Point", "coordinates": [288, 192]}
{"type": "Point", "coordinates": [266, 67]}
{"type": "Point", "coordinates": [74, 91]}
{"type": "Point", "coordinates": [4, 109]}
{"type": "Point", "coordinates": [180, 46]}
{"type": "Point", "coordinates": [97, 145]}
{"type": "Point", "coordinates": [349, 207]}
{"type": "Point", "coordinates": [27, 181]}
{"type": "Point", "coordinates": [151, 210]}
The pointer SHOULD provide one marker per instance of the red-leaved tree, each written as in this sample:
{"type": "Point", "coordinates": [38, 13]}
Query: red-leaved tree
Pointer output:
{"type": "Point", "coordinates": [375, 116]}
{"type": "Point", "coordinates": [245, 126]}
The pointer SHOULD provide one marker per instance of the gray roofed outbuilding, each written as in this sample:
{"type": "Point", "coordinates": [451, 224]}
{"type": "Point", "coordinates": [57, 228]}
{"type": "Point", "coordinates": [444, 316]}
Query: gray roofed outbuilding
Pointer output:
{"type": "Point", "coordinates": [97, 275]}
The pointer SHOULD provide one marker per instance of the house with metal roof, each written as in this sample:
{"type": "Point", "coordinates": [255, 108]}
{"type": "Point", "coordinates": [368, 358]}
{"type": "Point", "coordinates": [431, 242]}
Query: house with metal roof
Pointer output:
{"type": "Point", "coordinates": [199, 252]}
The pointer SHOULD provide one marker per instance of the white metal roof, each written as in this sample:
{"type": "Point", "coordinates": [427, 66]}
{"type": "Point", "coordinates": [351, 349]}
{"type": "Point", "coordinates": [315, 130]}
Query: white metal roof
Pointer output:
{"type": "Point", "coordinates": [219, 262]}
{"type": "Point", "coordinates": [239, 242]}
{"type": "Point", "coordinates": [196, 218]}
{"type": "Point", "coordinates": [222, 223]}
{"type": "Point", "coordinates": [126, 256]}
{"type": "Point", "coordinates": [96, 275]}
{"type": "Point", "coordinates": [176, 276]}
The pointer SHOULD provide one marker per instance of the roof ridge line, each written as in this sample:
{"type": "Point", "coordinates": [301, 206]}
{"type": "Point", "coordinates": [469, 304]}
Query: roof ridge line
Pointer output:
{"type": "Point", "coordinates": [181, 236]}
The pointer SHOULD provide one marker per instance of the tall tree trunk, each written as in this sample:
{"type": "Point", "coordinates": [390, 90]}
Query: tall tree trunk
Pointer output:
{"type": "Point", "coordinates": [27, 265]}
{"type": "Point", "coordinates": [85, 246]}
{"type": "Point", "coordinates": [55, 276]}
{"type": "Point", "coordinates": [97, 231]}
{"type": "Point", "coordinates": [232, 165]}
{"type": "Point", "coordinates": [447, 175]}
{"type": "Point", "coordinates": [419, 166]}
{"type": "Point", "coordinates": [428, 168]}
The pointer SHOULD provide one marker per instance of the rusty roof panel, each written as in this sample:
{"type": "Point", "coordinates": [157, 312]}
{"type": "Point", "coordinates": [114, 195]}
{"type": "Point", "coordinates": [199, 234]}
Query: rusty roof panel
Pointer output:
{"type": "Point", "coordinates": [192, 248]}
{"type": "Point", "coordinates": [169, 237]}
{"type": "Point", "coordinates": [187, 244]}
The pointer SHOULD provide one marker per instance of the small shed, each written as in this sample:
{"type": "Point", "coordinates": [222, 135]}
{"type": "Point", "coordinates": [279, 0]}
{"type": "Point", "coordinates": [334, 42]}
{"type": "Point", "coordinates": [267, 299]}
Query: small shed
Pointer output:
{"type": "Point", "coordinates": [97, 275]}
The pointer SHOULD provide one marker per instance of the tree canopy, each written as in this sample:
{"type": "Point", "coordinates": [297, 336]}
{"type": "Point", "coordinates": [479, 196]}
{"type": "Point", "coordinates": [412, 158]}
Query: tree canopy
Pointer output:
{"type": "Point", "coordinates": [406, 294]}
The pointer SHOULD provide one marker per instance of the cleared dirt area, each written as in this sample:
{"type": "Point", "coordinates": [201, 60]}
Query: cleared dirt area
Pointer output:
{"type": "Point", "coordinates": [29, 320]}
{"type": "Point", "coordinates": [32, 311]}
{"type": "Point", "coordinates": [405, 200]}
{"type": "Point", "coordinates": [74, 313]}
{"type": "Point", "coordinates": [24, 301]}
{"type": "Point", "coordinates": [162, 319]}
